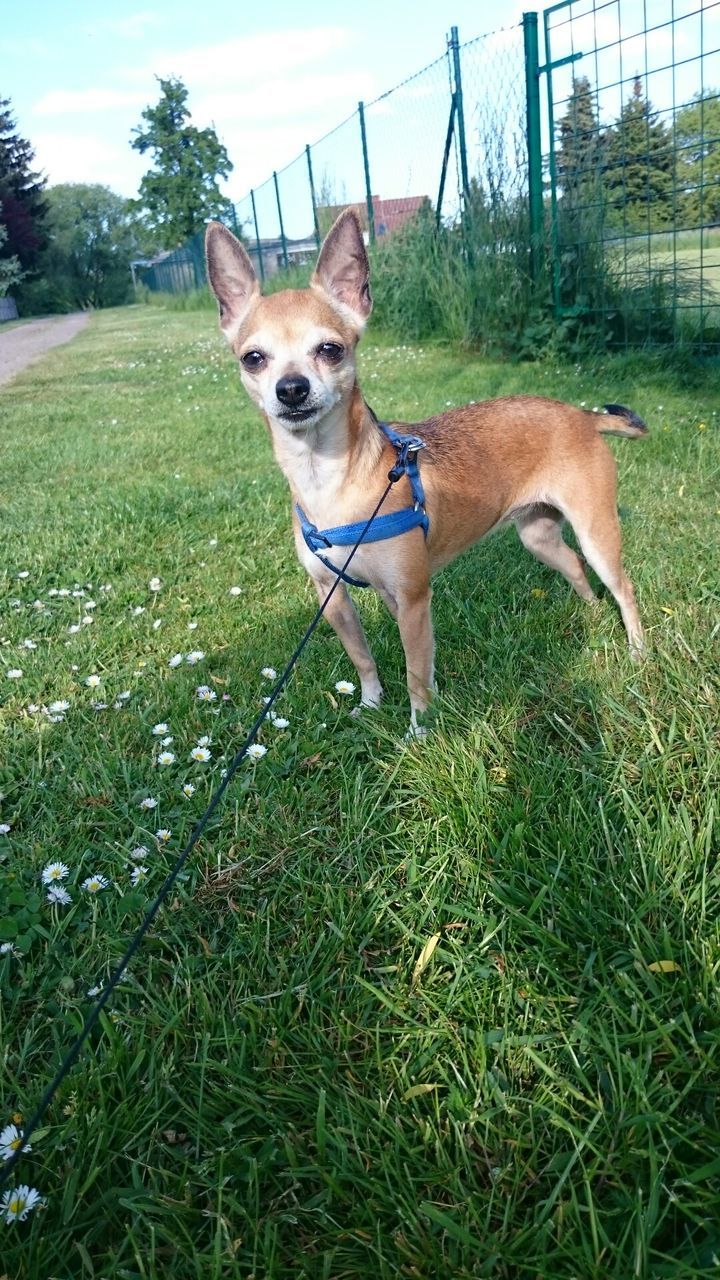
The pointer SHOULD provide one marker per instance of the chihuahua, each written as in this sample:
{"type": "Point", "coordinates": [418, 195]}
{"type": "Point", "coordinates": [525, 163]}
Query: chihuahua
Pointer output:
{"type": "Point", "coordinates": [521, 459]}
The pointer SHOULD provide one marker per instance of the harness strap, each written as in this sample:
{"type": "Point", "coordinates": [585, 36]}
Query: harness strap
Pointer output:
{"type": "Point", "coordinates": [383, 527]}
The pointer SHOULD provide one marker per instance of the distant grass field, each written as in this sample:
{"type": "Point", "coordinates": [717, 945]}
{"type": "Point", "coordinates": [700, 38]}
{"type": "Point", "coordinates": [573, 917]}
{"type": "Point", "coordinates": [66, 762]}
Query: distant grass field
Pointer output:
{"type": "Point", "coordinates": [289, 1083]}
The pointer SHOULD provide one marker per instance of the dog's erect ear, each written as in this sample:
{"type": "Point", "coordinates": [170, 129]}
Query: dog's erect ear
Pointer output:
{"type": "Point", "coordinates": [231, 275]}
{"type": "Point", "coordinates": [343, 270]}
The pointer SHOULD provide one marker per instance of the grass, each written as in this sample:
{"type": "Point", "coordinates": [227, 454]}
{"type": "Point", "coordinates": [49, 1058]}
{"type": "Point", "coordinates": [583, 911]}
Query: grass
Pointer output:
{"type": "Point", "coordinates": [289, 1085]}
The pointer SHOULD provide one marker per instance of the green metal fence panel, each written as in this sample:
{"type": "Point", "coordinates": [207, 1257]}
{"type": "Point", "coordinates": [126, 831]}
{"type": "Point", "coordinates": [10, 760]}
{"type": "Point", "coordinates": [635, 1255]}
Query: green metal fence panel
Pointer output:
{"type": "Point", "coordinates": [634, 167]}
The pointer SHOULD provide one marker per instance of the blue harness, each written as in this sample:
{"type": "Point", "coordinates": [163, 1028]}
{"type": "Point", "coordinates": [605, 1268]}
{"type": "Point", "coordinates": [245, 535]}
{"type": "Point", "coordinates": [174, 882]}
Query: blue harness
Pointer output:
{"type": "Point", "coordinates": [382, 527]}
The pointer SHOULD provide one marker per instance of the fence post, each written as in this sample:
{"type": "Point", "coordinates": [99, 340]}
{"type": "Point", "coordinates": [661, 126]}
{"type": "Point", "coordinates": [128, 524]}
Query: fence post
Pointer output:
{"type": "Point", "coordinates": [283, 241]}
{"type": "Point", "coordinates": [534, 142]}
{"type": "Point", "coordinates": [261, 265]}
{"type": "Point", "coordinates": [312, 197]}
{"type": "Point", "coordinates": [366, 162]}
{"type": "Point", "coordinates": [457, 77]}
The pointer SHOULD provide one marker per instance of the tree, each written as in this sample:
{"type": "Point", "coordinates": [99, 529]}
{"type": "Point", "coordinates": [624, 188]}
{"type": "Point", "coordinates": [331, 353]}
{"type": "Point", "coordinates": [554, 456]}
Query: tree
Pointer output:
{"type": "Point", "coordinates": [640, 166]}
{"type": "Point", "coordinates": [181, 192]}
{"type": "Point", "coordinates": [579, 155]}
{"type": "Point", "coordinates": [697, 139]}
{"type": "Point", "coordinates": [11, 273]}
{"type": "Point", "coordinates": [22, 195]}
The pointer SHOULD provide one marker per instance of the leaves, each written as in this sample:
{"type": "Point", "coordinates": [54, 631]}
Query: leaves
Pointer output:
{"type": "Point", "coordinates": [425, 957]}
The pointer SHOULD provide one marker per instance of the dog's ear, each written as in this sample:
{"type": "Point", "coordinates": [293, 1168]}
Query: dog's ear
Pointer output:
{"type": "Point", "coordinates": [231, 275]}
{"type": "Point", "coordinates": [343, 270]}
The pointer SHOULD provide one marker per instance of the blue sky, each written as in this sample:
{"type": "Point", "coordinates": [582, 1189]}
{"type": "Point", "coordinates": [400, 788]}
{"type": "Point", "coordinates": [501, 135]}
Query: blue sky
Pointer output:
{"type": "Point", "coordinates": [270, 77]}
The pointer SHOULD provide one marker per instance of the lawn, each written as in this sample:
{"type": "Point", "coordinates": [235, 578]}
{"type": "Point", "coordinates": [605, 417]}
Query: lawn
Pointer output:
{"type": "Point", "coordinates": [289, 1084]}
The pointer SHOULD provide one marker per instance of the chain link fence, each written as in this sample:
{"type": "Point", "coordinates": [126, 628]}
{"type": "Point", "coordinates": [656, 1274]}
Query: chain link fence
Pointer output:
{"type": "Point", "coordinates": [505, 199]}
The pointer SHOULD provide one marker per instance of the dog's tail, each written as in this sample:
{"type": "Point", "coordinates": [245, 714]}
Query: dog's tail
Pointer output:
{"type": "Point", "coordinates": [628, 424]}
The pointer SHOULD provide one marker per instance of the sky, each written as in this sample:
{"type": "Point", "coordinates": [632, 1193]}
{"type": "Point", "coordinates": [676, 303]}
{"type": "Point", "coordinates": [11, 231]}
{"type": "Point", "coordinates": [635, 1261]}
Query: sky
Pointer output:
{"type": "Point", "coordinates": [271, 78]}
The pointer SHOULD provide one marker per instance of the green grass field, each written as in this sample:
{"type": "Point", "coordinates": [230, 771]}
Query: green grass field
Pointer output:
{"type": "Point", "coordinates": [289, 1084]}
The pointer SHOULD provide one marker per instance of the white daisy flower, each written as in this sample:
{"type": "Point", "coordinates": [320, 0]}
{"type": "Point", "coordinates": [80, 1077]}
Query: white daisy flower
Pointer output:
{"type": "Point", "coordinates": [95, 883]}
{"type": "Point", "coordinates": [166, 757]}
{"type": "Point", "coordinates": [205, 741]}
{"type": "Point", "coordinates": [14, 673]}
{"type": "Point", "coordinates": [18, 1202]}
{"type": "Point", "coordinates": [24, 573]}
{"type": "Point", "coordinates": [139, 608]}
{"type": "Point", "coordinates": [73, 630]}
{"type": "Point", "coordinates": [99, 706]}
{"type": "Point", "coordinates": [200, 754]}
{"type": "Point", "coordinates": [63, 593]}
{"type": "Point", "coordinates": [280, 722]}
{"type": "Point", "coordinates": [269, 673]}
{"type": "Point", "coordinates": [88, 620]}
{"type": "Point", "coordinates": [166, 742]}
{"type": "Point", "coordinates": [197, 655]}
{"type": "Point", "coordinates": [94, 991]}
{"type": "Point", "coordinates": [125, 695]}
{"type": "Point", "coordinates": [11, 1140]}
{"type": "Point", "coordinates": [137, 875]}
{"type": "Point", "coordinates": [192, 626]}
{"type": "Point", "coordinates": [154, 584]}
{"type": "Point", "coordinates": [5, 827]}
{"type": "Point", "coordinates": [160, 729]}
{"type": "Point", "coordinates": [60, 705]}
{"type": "Point", "coordinates": [92, 682]}
{"type": "Point", "coordinates": [235, 591]}
{"type": "Point", "coordinates": [139, 852]}
{"type": "Point", "coordinates": [256, 751]}
{"type": "Point", "coordinates": [78, 594]}
{"type": "Point", "coordinates": [157, 624]}
{"type": "Point", "coordinates": [55, 719]}
{"type": "Point", "coordinates": [90, 604]}
{"type": "Point", "coordinates": [205, 693]}
{"type": "Point", "coordinates": [27, 644]}
{"type": "Point", "coordinates": [163, 835]}
{"type": "Point", "coordinates": [58, 896]}
{"type": "Point", "coordinates": [175, 660]}
{"type": "Point", "coordinates": [148, 803]}
{"type": "Point", "coordinates": [212, 542]}
{"type": "Point", "coordinates": [8, 949]}
{"type": "Point", "coordinates": [54, 871]}
{"type": "Point", "coordinates": [345, 687]}
{"type": "Point", "coordinates": [188, 790]}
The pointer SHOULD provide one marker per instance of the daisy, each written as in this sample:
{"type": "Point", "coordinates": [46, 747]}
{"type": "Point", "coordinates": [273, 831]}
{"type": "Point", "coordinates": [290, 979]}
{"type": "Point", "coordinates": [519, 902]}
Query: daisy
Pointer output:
{"type": "Point", "coordinates": [55, 871]}
{"type": "Point", "coordinates": [197, 655]}
{"type": "Point", "coordinates": [90, 604]}
{"type": "Point", "coordinates": [73, 630]}
{"type": "Point", "coordinates": [18, 1202]}
{"type": "Point", "coordinates": [139, 608]}
{"type": "Point", "coordinates": [60, 705]}
{"type": "Point", "coordinates": [28, 644]}
{"type": "Point", "coordinates": [148, 803]}
{"type": "Point", "coordinates": [140, 851]}
{"type": "Point", "coordinates": [14, 673]}
{"type": "Point", "coordinates": [188, 790]}
{"type": "Point", "coordinates": [163, 835]}
{"type": "Point", "coordinates": [63, 593]}
{"type": "Point", "coordinates": [88, 620]}
{"type": "Point", "coordinates": [201, 754]}
{"type": "Point", "coordinates": [125, 695]}
{"type": "Point", "coordinates": [154, 584]}
{"type": "Point", "coordinates": [345, 687]}
{"type": "Point", "coordinates": [159, 730]}
{"type": "Point", "coordinates": [157, 624]}
{"type": "Point", "coordinates": [256, 751]}
{"type": "Point", "coordinates": [99, 706]}
{"type": "Point", "coordinates": [235, 591]}
{"type": "Point", "coordinates": [166, 757]}
{"type": "Point", "coordinates": [269, 673]}
{"type": "Point", "coordinates": [11, 1140]}
{"type": "Point", "coordinates": [5, 828]}
{"type": "Point", "coordinates": [24, 573]}
{"type": "Point", "coordinates": [205, 741]}
{"type": "Point", "coordinates": [92, 682]}
{"type": "Point", "coordinates": [8, 949]}
{"type": "Point", "coordinates": [94, 991]}
{"type": "Point", "coordinates": [58, 896]}
{"type": "Point", "coordinates": [94, 884]}
{"type": "Point", "coordinates": [192, 626]}
{"type": "Point", "coordinates": [166, 742]}
{"type": "Point", "coordinates": [175, 660]}
{"type": "Point", "coordinates": [205, 693]}
{"type": "Point", "coordinates": [280, 722]}
{"type": "Point", "coordinates": [137, 875]}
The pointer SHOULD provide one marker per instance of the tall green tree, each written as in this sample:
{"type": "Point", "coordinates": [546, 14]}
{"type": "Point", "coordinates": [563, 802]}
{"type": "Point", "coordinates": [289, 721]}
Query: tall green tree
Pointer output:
{"type": "Point", "coordinates": [93, 236]}
{"type": "Point", "coordinates": [11, 273]}
{"type": "Point", "coordinates": [640, 165]}
{"type": "Point", "coordinates": [22, 194]}
{"type": "Point", "coordinates": [181, 192]}
{"type": "Point", "coordinates": [581, 144]}
{"type": "Point", "coordinates": [697, 139]}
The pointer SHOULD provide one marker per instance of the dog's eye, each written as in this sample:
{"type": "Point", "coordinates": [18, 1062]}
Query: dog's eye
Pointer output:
{"type": "Point", "coordinates": [331, 351]}
{"type": "Point", "coordinates": [252, 361]}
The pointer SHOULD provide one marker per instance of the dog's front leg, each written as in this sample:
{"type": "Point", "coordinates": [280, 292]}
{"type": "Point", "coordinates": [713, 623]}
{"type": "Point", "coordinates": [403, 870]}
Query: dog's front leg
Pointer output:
{"type": "Point", "coordinates": [341, 615]}
{"type": "Point", "coordinates": [416, 632]}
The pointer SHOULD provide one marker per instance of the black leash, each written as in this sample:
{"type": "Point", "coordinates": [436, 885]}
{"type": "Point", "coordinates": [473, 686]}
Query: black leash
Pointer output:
{"type": "Point", "coordinates": [72, 1053]}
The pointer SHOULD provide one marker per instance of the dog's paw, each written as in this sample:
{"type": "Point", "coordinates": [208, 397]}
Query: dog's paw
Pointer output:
{"type": "Point", "coordinates": [416, 732]}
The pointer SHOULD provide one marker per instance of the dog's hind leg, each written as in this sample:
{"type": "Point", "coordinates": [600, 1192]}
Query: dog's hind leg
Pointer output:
{"type": "Point", "coordinates": [540, 530]}
{"type": "Point", "coordinates": [598, 533]}
{"type": "Point", "coordinates": [416, 632]}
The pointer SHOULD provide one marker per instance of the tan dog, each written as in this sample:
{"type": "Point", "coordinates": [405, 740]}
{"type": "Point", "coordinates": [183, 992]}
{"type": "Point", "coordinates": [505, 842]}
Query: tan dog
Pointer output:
{"type": "Point", "coordinates": [521, 459]}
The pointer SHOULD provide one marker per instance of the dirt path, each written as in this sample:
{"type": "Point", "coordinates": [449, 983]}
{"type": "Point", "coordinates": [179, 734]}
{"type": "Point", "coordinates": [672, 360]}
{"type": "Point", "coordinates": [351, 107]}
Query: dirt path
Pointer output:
{"type": "Point", "coordinates": [28, 342]}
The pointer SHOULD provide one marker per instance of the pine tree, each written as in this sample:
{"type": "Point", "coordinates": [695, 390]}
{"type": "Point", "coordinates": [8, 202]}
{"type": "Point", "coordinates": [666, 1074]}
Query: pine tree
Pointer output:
{"type": "Point", "coordinates": [640, 166]}
{"type": "Point", "coordinates": [697, 135]}
{"type": "Point", "coordinates": [24, 207]}
{"type": "Point", "coordinates": [579, 155]}
{"type": "Point", "coordinates": [181, 192]}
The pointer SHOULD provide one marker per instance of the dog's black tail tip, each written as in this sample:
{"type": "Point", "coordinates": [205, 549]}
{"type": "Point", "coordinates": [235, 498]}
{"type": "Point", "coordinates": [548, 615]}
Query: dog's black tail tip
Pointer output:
{"type": "Point", "coordinates": [630, 424]}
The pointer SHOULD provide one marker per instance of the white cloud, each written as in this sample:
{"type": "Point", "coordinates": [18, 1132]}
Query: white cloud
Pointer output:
{"type": "Point", "coordinates": [85, 157]}
{"type": "Point", "coordinates": [63, 102]}
{"type": "Point", "coordinates": [248, 58]}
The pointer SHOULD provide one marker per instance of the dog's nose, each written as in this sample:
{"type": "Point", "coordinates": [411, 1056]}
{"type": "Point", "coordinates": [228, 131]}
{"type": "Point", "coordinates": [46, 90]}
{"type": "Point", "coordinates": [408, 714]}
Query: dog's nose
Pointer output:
{"type": "Point", "coordinates": [292, 390]}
